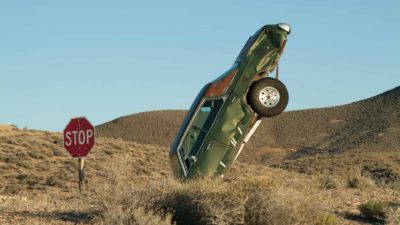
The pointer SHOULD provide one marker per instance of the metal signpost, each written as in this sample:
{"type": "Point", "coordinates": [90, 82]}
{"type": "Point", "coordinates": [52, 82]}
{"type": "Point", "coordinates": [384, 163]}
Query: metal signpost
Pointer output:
{"type": "Point", "coordinates": [78, 141]}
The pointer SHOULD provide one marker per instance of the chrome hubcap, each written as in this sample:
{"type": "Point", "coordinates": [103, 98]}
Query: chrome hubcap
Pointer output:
{"type": "Point", "coordinates": [269, 97]}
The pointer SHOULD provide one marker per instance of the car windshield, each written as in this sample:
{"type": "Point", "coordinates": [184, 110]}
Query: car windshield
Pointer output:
{"type": "Point", "coordinates": [199, 128]}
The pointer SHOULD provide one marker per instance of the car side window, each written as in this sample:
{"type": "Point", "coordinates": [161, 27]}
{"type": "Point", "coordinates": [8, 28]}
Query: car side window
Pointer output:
{"type": "Point", "coordinates": [201, 125]}
{"type": "Point", "coordinates": [207, 113]}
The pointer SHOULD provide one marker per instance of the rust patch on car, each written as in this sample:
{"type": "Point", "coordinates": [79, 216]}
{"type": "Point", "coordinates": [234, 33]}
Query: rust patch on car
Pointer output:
{"type": "Point", "coordinates": [219, 87]}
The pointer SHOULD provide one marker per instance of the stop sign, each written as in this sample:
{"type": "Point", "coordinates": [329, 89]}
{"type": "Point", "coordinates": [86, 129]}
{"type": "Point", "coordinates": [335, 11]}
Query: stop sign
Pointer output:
{"type": "Point", "coordinates": [78, 137]}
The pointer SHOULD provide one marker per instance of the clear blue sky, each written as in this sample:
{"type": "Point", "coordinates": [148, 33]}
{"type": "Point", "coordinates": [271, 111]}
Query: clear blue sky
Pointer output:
{"type": "Point", "coordinates": [105, 59]}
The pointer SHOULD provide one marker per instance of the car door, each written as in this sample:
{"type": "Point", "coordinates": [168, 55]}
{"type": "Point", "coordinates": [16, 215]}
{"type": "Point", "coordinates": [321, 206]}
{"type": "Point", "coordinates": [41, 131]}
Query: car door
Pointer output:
{"type": "Point", "coordinates": [198, 131]}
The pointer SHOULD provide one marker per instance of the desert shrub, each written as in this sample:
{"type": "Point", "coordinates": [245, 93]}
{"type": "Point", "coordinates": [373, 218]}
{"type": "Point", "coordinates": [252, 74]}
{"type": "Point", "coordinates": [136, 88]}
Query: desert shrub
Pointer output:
{"type": "Point", "coordinates": [131, 216]}
{"type": "Point", "coordinates": [118, 199]}
{"type": "Point", "coordinates": [185, 205]}
{"type": "Point", "coordinates": [3, 139]}
{"type": "Point", "coordinates": [21, 177]}
{"type": "Point", "coordinates": [57, 181]}
{"type": "Point", "coordinates": [355, 179]}
{"type": "Point", "coordinates": [35, 154]}
{"type": "Point", "coordinates": [280, 208]}
{"type": "Point", "coordinates": [381, 174]}
{"type": "Point", "coordinates": [393, 215]}
{"type": "Point", "coordinates": [250, 199]}
{"type": "Point", "coordinates": [353, 182]}
{"type": "Point", "coordinates": [12, 189]}
{"type": "Point", "coordinates": [206, 201]}
{"type": "Point", "coordinates": [10, 159]}
{"type": "Point", "coordinates": [373, 210]}
{"type": "Point", "coordinates": [397, 157]}
{"type": "Point", "coordinates": [21, 155]}
{"type": "Point", "coordinates": [32, 181]}
{"type": "Point", "coordinates": [51, 181]}
{"type": "Point", "coordinates": [325, 181]}
{"type": "Point", "coordinates": [395, 185]}
{"type": "Point", "coordinates": [116, 146]}
{"type": "Point", "coordinates": [108, 152]}
{"type": "Point", "coordinates": [56, 141]}
{"type": "Point", "coordinates": [24, 164]}
{"type": "Point", "coordinates": [327, 219]}
{"type": "Point", "coordinates": [58, 152]}
{"type": "Point", "coordinates": [2, 185]}
{"type": "Point", "coordinates": [10, 141]}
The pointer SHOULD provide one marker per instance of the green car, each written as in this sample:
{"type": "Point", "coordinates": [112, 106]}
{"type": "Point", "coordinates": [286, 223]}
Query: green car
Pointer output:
{"type": "Point", "coordinates": [228, 110]}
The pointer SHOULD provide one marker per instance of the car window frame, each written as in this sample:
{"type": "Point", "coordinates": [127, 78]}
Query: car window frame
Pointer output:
{"type": "Point", "coordinates": [189, 126]}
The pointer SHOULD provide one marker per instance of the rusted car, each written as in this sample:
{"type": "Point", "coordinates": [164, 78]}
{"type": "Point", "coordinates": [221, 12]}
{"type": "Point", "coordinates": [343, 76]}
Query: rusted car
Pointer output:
{"type": "Point", "coordinates": [229, 109]}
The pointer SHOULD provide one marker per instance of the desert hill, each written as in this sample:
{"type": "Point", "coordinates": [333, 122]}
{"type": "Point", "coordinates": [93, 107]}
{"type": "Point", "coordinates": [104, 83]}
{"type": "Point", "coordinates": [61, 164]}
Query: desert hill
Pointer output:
{"type": "Point", "coordinates": [365, 133]}
{"type": "Point", "coordinates": [372, 124]}
{"type": "Point", "coordinates": [157, 127]}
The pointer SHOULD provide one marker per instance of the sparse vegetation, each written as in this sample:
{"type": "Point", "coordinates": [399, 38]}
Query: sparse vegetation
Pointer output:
{"type": "Point", "coordinates": [280, 207]}
{"type": "Point", "coordinates": [382, 174]}
{"type": "Point", "coordinates": [353, 182]}
{"type": "Point", "coordinates": [327, 219]}
{"type": "Point", "coordinates": [355, 179]}
{"type": "Point", "coordinates": [250, 200]}
{"type": "Point", "coordinates": [322, 179]}
{"type": "Point", "coordinates": [130, 183]}
{"type": "Point", "coordinates": [373, 210]}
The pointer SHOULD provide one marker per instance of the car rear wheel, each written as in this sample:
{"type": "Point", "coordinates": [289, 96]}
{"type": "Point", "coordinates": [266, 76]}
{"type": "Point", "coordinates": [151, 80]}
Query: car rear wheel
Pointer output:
{"type": "Point", "coordinates": [268, 97]}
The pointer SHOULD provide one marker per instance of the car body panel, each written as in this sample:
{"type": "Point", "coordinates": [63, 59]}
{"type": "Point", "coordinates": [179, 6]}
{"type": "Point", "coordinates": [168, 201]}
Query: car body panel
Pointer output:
{"type": "Point", "coordinates": [214, 129]}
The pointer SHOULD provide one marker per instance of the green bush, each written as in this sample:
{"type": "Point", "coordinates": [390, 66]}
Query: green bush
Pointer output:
{"type": "Point", "coordinates": [373, 210]}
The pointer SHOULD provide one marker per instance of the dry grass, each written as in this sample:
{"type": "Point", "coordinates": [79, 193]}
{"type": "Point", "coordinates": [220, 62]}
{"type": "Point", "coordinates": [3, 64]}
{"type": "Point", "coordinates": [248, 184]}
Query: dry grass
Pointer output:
{"type": "Point", "coordinates": [130, 183]}
{"type": "Point", "coordinates": [249, 200]}
{"type": "Point", "coordinates": [118, 198]}
{"type": "Point", "coordinates": [356, 179]}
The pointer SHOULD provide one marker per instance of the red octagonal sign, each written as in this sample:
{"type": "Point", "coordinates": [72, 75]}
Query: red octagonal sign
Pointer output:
{"type": "Point", "coordinates": [78, 137]}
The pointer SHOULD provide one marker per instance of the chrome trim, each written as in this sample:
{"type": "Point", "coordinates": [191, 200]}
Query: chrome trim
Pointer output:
{"type": "Point", "coordinates": [247, 138]}
{"type": "Point", "coordinates": [181, 162]}
{"type": "Point", "coordinates": [240, 150]}
{"type": "Point", "coordinates": [284, 26]}
{"type": "Point", "coordinates": [252, 130]}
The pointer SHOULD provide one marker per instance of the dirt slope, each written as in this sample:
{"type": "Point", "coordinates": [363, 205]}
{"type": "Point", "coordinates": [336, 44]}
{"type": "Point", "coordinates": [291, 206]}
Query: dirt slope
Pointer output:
{"type": "Point", "coordinates": [372, 124]}
{"type": "Point", "coordinates": [157, 127]}
{"type": "Point", "coordinates": [35, 162]}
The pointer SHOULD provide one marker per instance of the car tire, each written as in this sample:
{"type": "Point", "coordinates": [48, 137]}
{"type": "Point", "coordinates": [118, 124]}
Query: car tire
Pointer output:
{"type": "Point", "coordinates": [268, 97]}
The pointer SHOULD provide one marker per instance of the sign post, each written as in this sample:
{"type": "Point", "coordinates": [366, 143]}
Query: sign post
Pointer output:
{"type": "Point", "coordinates": [81, 173]}
{"type": "Point", "coordinates": [78, 141]}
